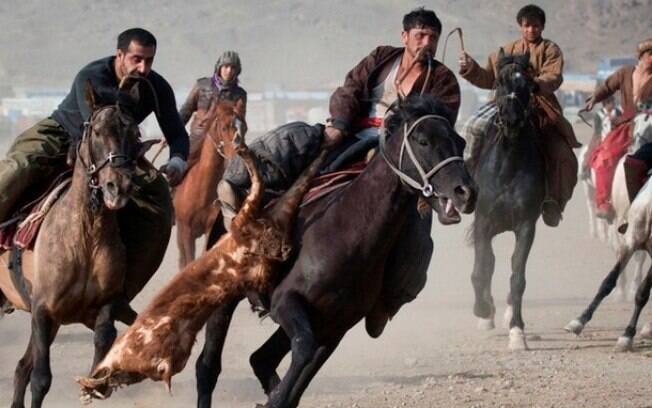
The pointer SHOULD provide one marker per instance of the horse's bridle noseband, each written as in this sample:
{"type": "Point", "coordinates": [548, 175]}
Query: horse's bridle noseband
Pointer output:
{"type": "Point", "coordinates": [425, 187]}
{"type": "Point", "coordinates": [115, 160]}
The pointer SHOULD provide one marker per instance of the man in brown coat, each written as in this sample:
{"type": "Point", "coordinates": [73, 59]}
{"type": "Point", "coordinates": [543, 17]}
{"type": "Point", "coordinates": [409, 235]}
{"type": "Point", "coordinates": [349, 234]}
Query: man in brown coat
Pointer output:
{"type": "Point", "coordinates": [357, 111]}
{"type": "Point", "coordinates": [557, 136]}
{"type": "Point", "coordinates": [223, 84]}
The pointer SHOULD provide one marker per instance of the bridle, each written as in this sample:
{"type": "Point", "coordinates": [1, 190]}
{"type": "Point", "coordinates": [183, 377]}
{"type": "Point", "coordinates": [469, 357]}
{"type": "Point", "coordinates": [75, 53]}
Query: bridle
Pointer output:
{"type": "Point", "coordinates": [112, 159]}
{"type": "Point", "coordinates": [512, 96]}
{"type": "Point", "coordinates": [424, 186]}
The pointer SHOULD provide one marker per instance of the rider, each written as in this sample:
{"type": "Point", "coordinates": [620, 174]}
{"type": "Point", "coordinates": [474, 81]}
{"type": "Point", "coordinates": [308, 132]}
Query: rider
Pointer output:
{"type": "Point", "coordinates": [603, 123]}
{"type": "Point", "coordinates": [223, 84]}
{"type": "Point", "coordinates": [635, 86]}
{"type": "Point", "coordinates": [39, 154]}
{"type": "Point", "coordinates": [557, 136]}
{"type": "Point", "coordinates": [357, 111]}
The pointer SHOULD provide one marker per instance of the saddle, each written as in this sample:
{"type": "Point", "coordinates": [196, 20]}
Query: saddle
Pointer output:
{"type": "Point", "coordinates": [20, 230]}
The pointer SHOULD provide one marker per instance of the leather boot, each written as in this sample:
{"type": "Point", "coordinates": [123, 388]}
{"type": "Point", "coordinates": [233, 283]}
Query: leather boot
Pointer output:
{"type": "Point", "coordinates": [635, 176]}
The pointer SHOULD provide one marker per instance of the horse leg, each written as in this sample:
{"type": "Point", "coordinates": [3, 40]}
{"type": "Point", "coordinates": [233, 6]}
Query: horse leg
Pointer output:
{"type": "Point", "coordinates": [266, 359]}
{"type": "Point", "coordinates": [524, 238]}
{"type": "Point", "coordinates": [186, 244]}
{"type": "Point", "coordinates": [209, 364]}
{"type": "Point", "coordinates": [626, 341]}
{"type": "Point", "coordinates": [322, 354]}
{"type": "Point", "coordinates": [483, 269]}
{"type": "Point", "coordinates": [637, 277]}
{"type": "Point", "coordinates": [290, 312]}
{"type": "Point", "coordinates": [44, 329]}
{"type": "Point", "coordinates": [104, 333]}
{"type": "Point", "coordinates": [577, 325]}
{"type": "Point", "coordinates": [21, 376]}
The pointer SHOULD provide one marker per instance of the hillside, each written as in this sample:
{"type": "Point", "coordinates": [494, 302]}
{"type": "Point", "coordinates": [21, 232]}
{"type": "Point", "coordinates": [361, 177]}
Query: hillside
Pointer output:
{"type": "Point", "coordinates": [305, 44]}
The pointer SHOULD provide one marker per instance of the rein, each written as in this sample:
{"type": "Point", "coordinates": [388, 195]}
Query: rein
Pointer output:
{"type": "Point", "coordinates": [424, 186]}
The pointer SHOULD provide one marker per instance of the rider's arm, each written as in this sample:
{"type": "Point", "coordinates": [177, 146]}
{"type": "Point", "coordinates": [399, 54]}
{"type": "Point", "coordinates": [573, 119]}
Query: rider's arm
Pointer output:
{"type": "Point", "coordinates": [170, 121]}
{"type": "Point", "coordinates": [190, 105]}
{"type": "Point", "coordinates": [484, 78]}
{"type": "Point", "coordinates": [610, 86]}
{"type": "Point", "coordinates": [346, 100]}
{"type": "Point", "coordinates": [550, 76]}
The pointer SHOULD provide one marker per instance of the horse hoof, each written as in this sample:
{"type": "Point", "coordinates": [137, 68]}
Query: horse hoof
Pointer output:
{"type": "Point", "coordinates": [486, 324]}
{"type": "Point", "coordinates": [646, 331]}
{"type": "Point", "coordinates": [575, 327]}
{"type": "Point", "coordinates": [517, 340]}
{"type": "Point", "coordinates": [624, 344]}
{"type": "Point", "coordinates": [507, 317]}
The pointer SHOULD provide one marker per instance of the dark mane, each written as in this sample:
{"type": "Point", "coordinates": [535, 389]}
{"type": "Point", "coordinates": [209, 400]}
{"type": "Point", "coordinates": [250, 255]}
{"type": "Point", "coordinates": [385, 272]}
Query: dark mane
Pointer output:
{"type": "Point", "coordinates": [413, 107]}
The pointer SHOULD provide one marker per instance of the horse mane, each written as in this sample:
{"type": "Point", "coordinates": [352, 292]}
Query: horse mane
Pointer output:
{"type": "Point", "coordinates": [415, 106]}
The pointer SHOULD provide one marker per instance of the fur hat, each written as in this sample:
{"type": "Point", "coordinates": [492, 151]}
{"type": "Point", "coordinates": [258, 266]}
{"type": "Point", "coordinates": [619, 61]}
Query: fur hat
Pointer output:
{"type": "Point", "coordinates": [231, 58]}
{"type": "Point", "coordinates": [643, 47]}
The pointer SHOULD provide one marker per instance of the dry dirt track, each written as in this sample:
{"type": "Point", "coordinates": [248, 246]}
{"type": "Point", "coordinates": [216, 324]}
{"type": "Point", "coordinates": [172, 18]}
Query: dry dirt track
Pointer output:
{"type": "Point", "coordinates": [431, 355]}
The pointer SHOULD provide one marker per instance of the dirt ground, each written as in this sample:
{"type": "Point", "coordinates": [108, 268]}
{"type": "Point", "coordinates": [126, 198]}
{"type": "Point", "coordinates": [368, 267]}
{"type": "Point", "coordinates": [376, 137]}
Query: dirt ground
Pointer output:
{"type": "Point", "coordinates": [431, 354]}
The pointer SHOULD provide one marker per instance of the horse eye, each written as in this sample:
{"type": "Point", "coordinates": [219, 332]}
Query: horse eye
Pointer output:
{"type": "Point", "coordinates": [423, 141]}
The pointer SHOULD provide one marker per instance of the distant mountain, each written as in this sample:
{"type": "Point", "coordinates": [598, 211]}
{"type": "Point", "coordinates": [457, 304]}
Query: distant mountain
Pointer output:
{"type": "Point", "coordinates": [306, 44]}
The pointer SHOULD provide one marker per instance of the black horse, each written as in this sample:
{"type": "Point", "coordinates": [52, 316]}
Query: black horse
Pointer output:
{"type": "Point", "coordinates": [510, 177]}
{"type": "Point", "coordinates": [345, 255]}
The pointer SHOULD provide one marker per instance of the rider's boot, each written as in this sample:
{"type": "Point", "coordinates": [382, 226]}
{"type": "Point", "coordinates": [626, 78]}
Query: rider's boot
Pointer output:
{"type": "Point", "coordinates": [635, 176]}
{"type": "Point", "coordinates": [229, 202]}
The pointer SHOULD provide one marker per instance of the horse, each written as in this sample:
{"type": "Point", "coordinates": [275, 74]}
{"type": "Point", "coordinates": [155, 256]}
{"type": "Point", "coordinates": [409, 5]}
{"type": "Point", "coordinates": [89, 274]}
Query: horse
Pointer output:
{"type": "Point", "coordinates": [80, 279]}
{"type": "Point", "coordinates": [606, 231]}
{"type": "Point", "coordinates": [194, 199]}
{"type": "Point", "coordinates": [331, 284]}
{"type": "Point", "coordinates": [635, 240]}
{"type": "Point", "coordinates": [511, 188]}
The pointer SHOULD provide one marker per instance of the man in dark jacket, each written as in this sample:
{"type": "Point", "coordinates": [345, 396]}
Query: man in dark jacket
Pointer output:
{"type": "Point", "coordinates": [38, 155]}
{"type": "Point", "coordinates": [222, 85]}
{"type": "Point", "coordinates": [357, 110]}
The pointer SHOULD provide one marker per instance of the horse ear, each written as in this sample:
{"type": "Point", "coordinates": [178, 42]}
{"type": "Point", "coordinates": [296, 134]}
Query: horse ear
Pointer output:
{"type": "Point", "coordinates": [129, 85]}
{"type": "Point", "coordinates": [145, 146]}
{"type": "Point", "coordinates": [501, 53]}
{"type": "Point", "coordinates": [89, 95]}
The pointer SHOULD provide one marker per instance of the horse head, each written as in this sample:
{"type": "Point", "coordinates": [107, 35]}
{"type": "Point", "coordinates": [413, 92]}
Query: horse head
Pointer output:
{"type": "Point", "coordinates": [227, 125]}
{"type": "Point", "coordinates": [426, 153]}
{"type": "Point", "coordinates": [110, 145]}
{"type": "Point", "coordinates": [514, 87]}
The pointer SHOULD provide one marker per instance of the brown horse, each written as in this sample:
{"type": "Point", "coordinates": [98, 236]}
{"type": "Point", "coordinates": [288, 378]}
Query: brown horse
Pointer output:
{"type": "Point", "coordinates": [158, 344]}
{"type": "Point", "coordinates": [194, 198]}
{"type": "Point", "coordinates": [80, 279]}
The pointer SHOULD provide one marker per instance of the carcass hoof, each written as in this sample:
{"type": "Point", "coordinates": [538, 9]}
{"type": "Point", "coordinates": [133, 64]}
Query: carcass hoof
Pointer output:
{"type": "Point", "coordinates": [507, 317]}
{"type": "Point", "coordinates": [486, 324]}
{"type": "Point", "coordinates": [575, 327]}
{"type": "Point", "coordinates": [646, 331]}
{"type": "Point", "coordinates": [517, 340]}
{"type": "Point", "coordinates": [624, 344]}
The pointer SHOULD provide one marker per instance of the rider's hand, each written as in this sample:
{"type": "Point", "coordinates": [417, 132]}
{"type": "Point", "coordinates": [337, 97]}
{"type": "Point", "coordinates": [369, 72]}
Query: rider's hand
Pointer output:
{"type": "Point", "coordinates": [332, 136]}
{"type": "Point", "coordinates": [174, 170]}
{"type": "Point", "coordinates": [588, 106]}
{"type": "Point", "coordinates": [465, 61]}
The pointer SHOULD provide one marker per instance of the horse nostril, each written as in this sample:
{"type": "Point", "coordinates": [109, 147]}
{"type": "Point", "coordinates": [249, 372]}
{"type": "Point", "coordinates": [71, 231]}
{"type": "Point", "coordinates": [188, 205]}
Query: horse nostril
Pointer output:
{"type": "Point", "coordinates": [111, 187]}
{"type": "Point", "coordinates": [462, 191]}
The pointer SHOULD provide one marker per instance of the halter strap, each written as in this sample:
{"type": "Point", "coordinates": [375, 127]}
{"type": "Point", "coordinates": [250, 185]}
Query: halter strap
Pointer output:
{"type": "Point", "coordinates": [425, 187]}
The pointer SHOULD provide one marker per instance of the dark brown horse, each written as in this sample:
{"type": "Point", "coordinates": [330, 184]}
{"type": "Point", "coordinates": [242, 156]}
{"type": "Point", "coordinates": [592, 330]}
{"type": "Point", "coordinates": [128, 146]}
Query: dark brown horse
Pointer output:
{"type": "Point", "coordinates": [194, 199]}
{"type": "Point", "coordinates": [346, 249]}
{"type": "Point", "coordinates": [81, 278]}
